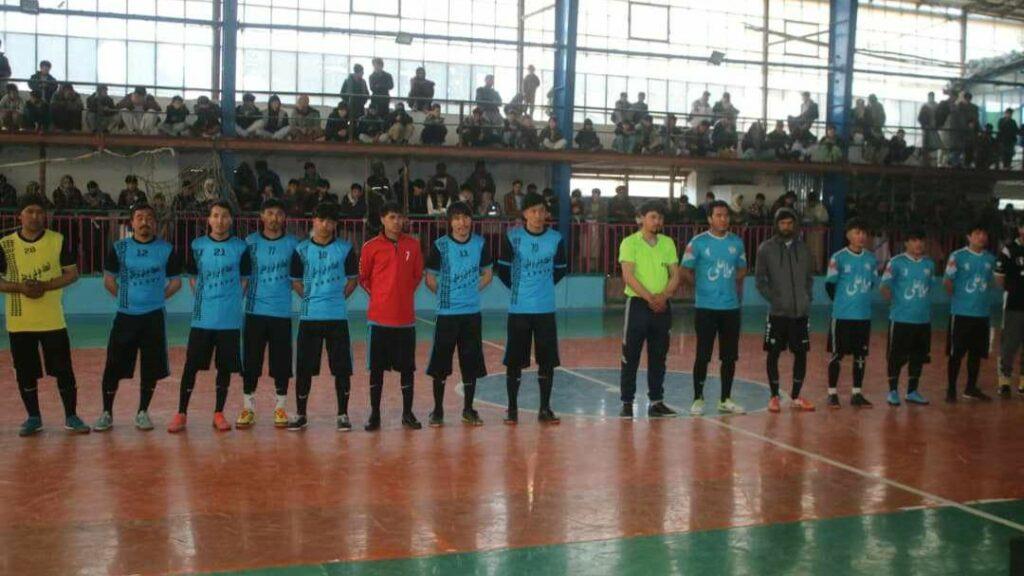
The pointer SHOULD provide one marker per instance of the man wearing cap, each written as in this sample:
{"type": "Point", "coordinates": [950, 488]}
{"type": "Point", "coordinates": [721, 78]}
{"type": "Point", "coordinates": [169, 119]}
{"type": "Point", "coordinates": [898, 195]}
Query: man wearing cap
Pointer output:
{"type": "Point", "coordinates": [785, 278]}
{"type": "Point", "coordinates": [650, 269]}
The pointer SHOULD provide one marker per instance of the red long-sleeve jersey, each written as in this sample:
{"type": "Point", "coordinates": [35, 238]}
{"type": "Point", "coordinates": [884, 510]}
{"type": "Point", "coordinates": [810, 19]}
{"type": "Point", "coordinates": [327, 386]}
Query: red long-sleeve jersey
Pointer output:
{"type": "Point", "coordinates": [390, 272]}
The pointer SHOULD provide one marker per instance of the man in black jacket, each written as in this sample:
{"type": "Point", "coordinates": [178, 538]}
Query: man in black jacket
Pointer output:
{"type": "Point", "coordinates": [354, 91]}
{"type": "Point", "coordinates": [381, 84]}
{"type": "Point", "coordinates": [1007, 137]}
{"type": "Point", "coordinates": [43, 81]}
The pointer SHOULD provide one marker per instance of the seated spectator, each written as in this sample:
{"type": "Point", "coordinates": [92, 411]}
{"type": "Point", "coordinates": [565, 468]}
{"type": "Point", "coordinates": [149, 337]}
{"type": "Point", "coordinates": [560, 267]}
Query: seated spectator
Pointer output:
{"type": "Point", "coordinates": [671, 136]}
{"type": "Point", "coordinates": [755, 143]}
{"type": "Point", "coordinates": [701, 110]}
{"type": "Point", "coordinates": [43, 82]}
{"type": "Point", "coordinates": [514, 199]}
{"type": "Point", "coordinates": [551, 201]}
{"type": "Point", "coordinates": [400, 126]}
{"type": "Point", "coordinates": [8, 194]}
{"type": "Point", "coordinates": [276, 125]}
{"type": "Point", "coordinates": [185, 202]}
{"type": "Point", "coordinates": [698, 140]}
{"type": "Point", "coordinates": [828, 150]}
{"type": "Point", "coordinates": [683, 212]}
{"type": "Point", "coordinates": [5, 67]}
{"type": "Point", "coordinates": [434, 131]}
{"type": "Point", "coordinates": [131, 193]}
{"type": "Point", "coordinates": [587, 139]}
{"type": "Point", "coordinates": [322, 194]}
{"type": "Point", "coordinates": [860, 123]}
{"type": "Point", "coordinates": [35, 113]}
{"type": "Point", "coordinates": [626, 141]}
{"type": "Point", "coordinates": [305, 121]}
{"type": "Point", "coordinates": [551, 137]}
{"type": "Point", "coordinates": [418, 198]}
{"type": "Point", "coordinates": [620, 208]}
{"type": "Point", "coordinates": [738, 211]}
{"type": "Point", "coordinates": [245, 187]}
{"type": "Point", "coordinates": [101, 113]}
{"type": "Point", "coordinates": [11, 108]}
{"type": "Point", "coordinates": [488, 207]}
{"type": "Point", "coordinates": [249, 120]}
{"type": "Point", "coordinates": [176, 120]}
{"type": "Point", "coordinates": [293, 198]}
{"type": "Point", "coordinates": [779, 142]}
{"type": "Point", "coordinates": [724, 137]}
{"type": "Point", "coordinates": [310, 180]}
{"type": "Point", "coordinates": [66, 109]}
{"type": "Point", "coordinates": [648, 136]}
{"type": "Point", "coordinates": [421, 91]}
{"type": "Point", "coordinates": [370, 128]}
{"type": "Point", "coordinates": [800, 125]}
{"type": "Point", "coordinates": [96, 199]}
{"type": "Point", "coordinates": [985, 150]}
{"type": "Point", "coordinates": [899, 152]}
{"type": "Point", "coordinates": [353, 205]}
{"type": "Point", "coordinates": [787, 201]}
{"type": "Point", "coordinates": [67, 196]}
{"type": "Point", "coordinates": [207, 122]}
{"type": "Point", "coordinates": [517, 105]}
{"type": "Point", "coordinates": [140, 112]}
{"type": "Point", "coordinates": [378, 184]}
{"type": "Point", "coordinates": [523, 133]}
{"type": "Point", "coordinates": [757, 212]}
{"type": "Point", "coordinates": [488, 100]}
{"type": "Point", "coordinates": [704, 210]}
{"type": "Point", "coordinates": [479, 181]}
{"type": "Point", "coordinates": [442, 189]}
{"type": "Point", "coordinates": [623, 111]}
{"type": "Point", "coordinates": [595, 211]}
{"type": "Point", "coordinates": [337, 128]}
{"type": "Point", "coordinates": [267, 177]}
{"type": "Point", "coordinates": [471, 131]}
{"type": "Point", "coordinates": [466, 197]}
{"type": "Point", "coordinates": [724, 109]}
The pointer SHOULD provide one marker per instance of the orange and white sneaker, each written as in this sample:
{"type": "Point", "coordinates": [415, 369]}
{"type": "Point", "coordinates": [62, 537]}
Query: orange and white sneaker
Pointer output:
{"type": "Point", "coordinates": [802, 404]}
{"type": "Point", "coordinates": [280, 418]}
{"type": "Point", "coordinates": [177, 423]}
{"type": "Point", "coordinates": [220, 423]}
{"type": "Point", "coordinates": [774, 404]}
{"type": "Point", "coordinates": [246, 419]}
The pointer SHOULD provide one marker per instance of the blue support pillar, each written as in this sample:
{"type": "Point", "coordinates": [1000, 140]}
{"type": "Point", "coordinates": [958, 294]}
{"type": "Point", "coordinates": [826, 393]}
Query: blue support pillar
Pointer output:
{"type": "Point", "coordinates": [228, 58]}
{"type": "Point", "coordinates": [841, 45]}
{"type": "Point", "coordinates": [566, 18]}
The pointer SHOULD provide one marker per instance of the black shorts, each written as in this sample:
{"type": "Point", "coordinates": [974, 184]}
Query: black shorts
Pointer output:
{"type": "Point", "coordinates": [721, 324]}
{"type": "Point", "coordinates": [968, 335]}
{"type": "Point", "coordinates": [782, 333]}
{"type": "Point", "coordinates": [203, 342]}
{"type": "Point", "coordinates": [849, 337]}
{"type": "Point", "coordinates": [314, 335]}
{"type": "Point", "coordinates": [462, 331]}
{"type": "Point", "coordinates": [56, 347]}
{"type": "Point", "coordinates": [261, 333]}
{"type": "Point", "coordinates": [538, 330]}
{"type": "Point", "coordinates": [910, 342]}
{"type": "Point", "coordinates": [392, 348]}
{"type": "Point", "coordinates": [138, 335]}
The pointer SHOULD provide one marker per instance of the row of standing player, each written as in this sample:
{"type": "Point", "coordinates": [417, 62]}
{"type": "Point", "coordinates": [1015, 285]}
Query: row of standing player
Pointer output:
{"type": "Point", "coordinates": [245, 286]}
{"type": "Point", "coordinates": [715, 263]}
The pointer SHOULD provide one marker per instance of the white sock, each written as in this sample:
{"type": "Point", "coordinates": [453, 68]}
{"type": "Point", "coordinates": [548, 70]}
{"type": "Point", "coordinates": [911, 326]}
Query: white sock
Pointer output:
{"type": "Point", "coordinates": [833, 391]}
{"type": "Point", "coordinates": [249, 401]}
{"type": "Point", "coordinates": [856, 391]}
{"type": "Point", "coordinates": [281, 401]}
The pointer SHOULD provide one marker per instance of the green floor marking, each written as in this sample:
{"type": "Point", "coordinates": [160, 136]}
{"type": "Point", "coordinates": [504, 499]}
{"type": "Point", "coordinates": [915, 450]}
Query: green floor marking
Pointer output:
{"type": "Point", "coordinates": [933, 542]}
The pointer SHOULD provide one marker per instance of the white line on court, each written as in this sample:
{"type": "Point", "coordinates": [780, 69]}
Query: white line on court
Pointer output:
{"type": "Point", "coordinates": [818, 457]}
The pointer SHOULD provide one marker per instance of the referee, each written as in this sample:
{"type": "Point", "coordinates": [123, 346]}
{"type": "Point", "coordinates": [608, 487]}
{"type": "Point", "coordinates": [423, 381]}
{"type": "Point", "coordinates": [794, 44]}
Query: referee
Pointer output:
{"type": "Point", "coordinates": [650, 268]}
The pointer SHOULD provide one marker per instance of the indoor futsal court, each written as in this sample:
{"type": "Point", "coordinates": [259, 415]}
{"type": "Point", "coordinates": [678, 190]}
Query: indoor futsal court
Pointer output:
{"type": "Point", "coordinates": [909, 490]}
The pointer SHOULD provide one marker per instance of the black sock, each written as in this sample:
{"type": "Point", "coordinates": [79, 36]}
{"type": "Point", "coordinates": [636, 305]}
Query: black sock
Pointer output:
{"type": "Point", "coordinates": [280, 386]}
{"type": "Point", "coordinates": [223, 383]}
{"type": "Point", "coordinates": [68, 389]}
{"type": "Point", "coordinates": [188, 382]}
{"type": "Point", "coordinates": [29, 390]}
{"type": "Point", "coordinates": [726, 373]}
{"type": "Point", "coordinates": [914, 372]}
{"type": "Point", "coordinates": [249, 384]}
{"type": "Point", "coordinates": [109, 390]}
{"type": "Point", "coordinates": [342, 387]}
{"type": "Point", "coordinates": [895, 367]}
{"type": "Point", "coordinates": [376, 390]}
{"type": "Point", "coordinates": [407, 391]}
{"type": "Point", "coordinates": [146, 390]}
{"type": "Point", "coordinates": [468, 392]}
{"type": "Point", "coordinates": [546, 381]}
{"type": "Point", "coordinates": [700, 374]}
{"type": "Point", "coordinates": [438, 395]}
{"type": "Point", "coordinates": [303, 384]}
{"type": "Point", "coordinates": [773, 372]}
{"type": "Point", "coordinates": [953, 372]}
{"type": "Point", "coordinates": [513, 377]}
{"type": "Point", "coordinates": [834, 364]}
{"type": "Point", "coordinates": [973, 367]}
{"type": "Point", "coordinates": [859, 366]}
{"type": "Point", "coordinates": [799, 372]}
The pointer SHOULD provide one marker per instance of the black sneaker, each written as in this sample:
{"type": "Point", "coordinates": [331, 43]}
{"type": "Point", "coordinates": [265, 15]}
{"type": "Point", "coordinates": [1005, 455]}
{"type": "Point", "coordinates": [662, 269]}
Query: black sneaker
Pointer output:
{"type": "Point", "coordinates": [298, 423]}
{"type": "Point", "coordinates": [472, 418]}
{"type": "Point", "coordinates": [951, 396]}
{"type": "Point", "coordinates": [833, 402]}
{"type": "Point", "coordinates": [410, 422]}
{"type": "Point", "coordinates": [977, 394]}
{"type": "Point", "coordinates": [436, 419]}
{"type": "Point", "coordinates": [372, 424]}
{"type": "Point", "coordinates": [1005, 391]}
{"type": "Point", "coordinates": [343, 423]}
{"type": "Point", "coordinates": [627, 410]}
{"type": "Point", "coordinates": [547, 416]}
{"type": "Point", "coordinates": [659, 410]}
{"type": "Point", "coordinates": [511, 417]}
{"type": "Point", "coordinates": [859, 401]}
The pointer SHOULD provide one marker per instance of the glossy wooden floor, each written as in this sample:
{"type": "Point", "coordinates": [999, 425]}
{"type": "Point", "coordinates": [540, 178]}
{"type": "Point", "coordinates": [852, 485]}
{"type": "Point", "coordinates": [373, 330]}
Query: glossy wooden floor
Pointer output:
{"type": "Point", "coordinates": [127, 502]}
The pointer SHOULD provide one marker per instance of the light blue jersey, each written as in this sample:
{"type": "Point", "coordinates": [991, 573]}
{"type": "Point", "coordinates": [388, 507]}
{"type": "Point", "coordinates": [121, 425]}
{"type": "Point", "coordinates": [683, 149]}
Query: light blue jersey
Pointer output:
{"type": "Point", "coordinates": [457, 267]}
{"type": "Point", "coordinates": [324, 270]}
{"type": "Point", "coordinates": [854, 276]}
{"type": "Point", "coordinates": [270, 288]}
{"type": "Point", "coordinates": [531, 265]}
{"type": "Point", "coordinates": [972, 275]}
{"type": "Point", "coordinates": [715, 263]}
{"type": "Point", "coordinates": [910, 281]}
{"type": "Point", "coordinates": [142, 270]}
{"type": "Point", "coordinates": [218, 267]}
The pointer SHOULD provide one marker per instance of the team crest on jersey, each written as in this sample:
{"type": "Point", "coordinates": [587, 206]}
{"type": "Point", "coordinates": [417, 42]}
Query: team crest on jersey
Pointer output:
{"type": "Point", "coordinates": [846, 269]}
{"type": "Point", "coordinates": [707, 252]}
{"type": "Point", "coordinates": [867, 266]}
{"type": "Point", "coordinates": [732, 250]}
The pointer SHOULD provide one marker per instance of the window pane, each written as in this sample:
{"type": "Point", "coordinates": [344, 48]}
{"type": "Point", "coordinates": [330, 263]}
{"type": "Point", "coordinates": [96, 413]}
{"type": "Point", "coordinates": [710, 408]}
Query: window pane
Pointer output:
{"type": "Point", "coordinates": [24, 45]}
{"type": "Point", "coordinates": [311, 75]}
{"type": "Point", "coordinates": [52, 48]}
{"type": "Point", "coordinates": [84, 51]}
{"type": "Point", "coordinates": [282, 67]}
{"type": "Point", "coordinates": [199, 71]}
{"type": "Point", "coordinates": [111, 59]}
{"type": "Point", "coordinates": [256, 70]}
{"type": "Point", "coordinates": [335, 72]}
{"type": "Point", "coordinates": [171, 65]}
{"type": "Point", "coordinates": [648, 22]}
{"type": "Point", "coordinates": [141, 63]}
{"type": "Point", "coordinates": [383, 7]}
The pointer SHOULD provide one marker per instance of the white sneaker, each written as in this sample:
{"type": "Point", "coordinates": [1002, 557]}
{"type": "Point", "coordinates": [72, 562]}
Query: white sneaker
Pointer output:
{"type": "Point", "coordinates": [697, 408]}
{"type": "Point", "coordinates": [727, 406]}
